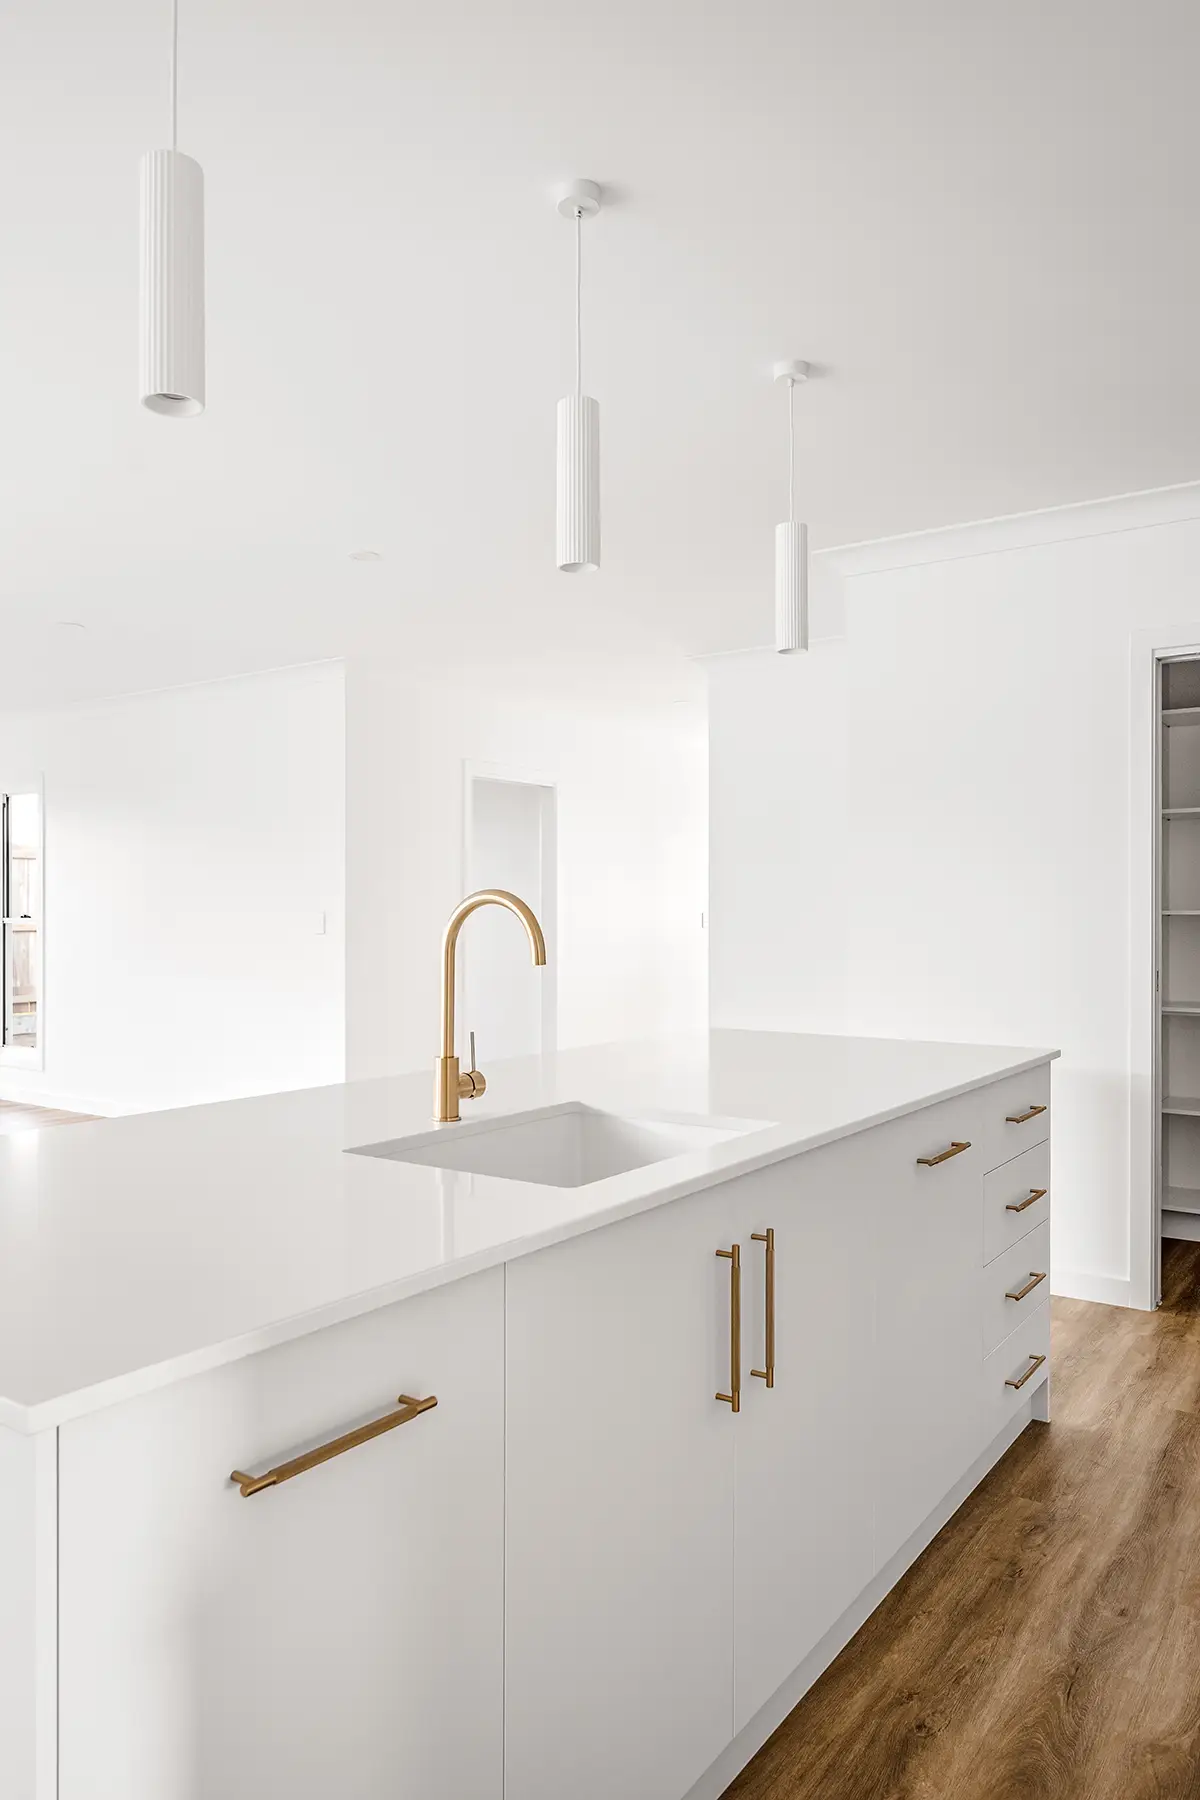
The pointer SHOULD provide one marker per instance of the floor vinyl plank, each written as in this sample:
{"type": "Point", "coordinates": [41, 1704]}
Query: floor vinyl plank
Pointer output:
{"type": "Point", "coordinates": [16, 1116]}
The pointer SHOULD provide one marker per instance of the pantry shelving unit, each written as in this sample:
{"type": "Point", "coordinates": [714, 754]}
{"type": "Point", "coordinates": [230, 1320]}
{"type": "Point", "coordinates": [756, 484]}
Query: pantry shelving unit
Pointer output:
{"type": "Point", "coordinates": [1179, 948]}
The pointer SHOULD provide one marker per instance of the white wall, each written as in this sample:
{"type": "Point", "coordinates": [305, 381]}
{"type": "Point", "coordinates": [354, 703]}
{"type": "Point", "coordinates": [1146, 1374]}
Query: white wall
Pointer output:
{"type": "Point", "coordinates": [631, 828]}
{"type": "Point", "coordinates": [924, 830]}
{"type": "Point", "coordinates": [193, 839]}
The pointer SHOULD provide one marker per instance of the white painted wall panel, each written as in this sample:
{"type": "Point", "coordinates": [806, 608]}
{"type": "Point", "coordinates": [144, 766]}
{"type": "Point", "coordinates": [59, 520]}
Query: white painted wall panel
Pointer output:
{"type": "Point", "coordinates": [924, 830]}
{"type": "Point", "coordinates": [632, 846]}
{"type": "Point", "coordinates": [194, 839]}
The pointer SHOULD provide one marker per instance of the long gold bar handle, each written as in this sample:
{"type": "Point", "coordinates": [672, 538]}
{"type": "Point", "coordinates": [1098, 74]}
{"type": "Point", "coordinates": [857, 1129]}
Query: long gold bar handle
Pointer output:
{"type": "Point", "coordinates": [1020, 1205]}
{"type": "Point", "coordinates": [734, 1258]}
{"type": "Point", "coordinates": [931, 1162]}
{"type": "Point", "coordinates": [767, 1237]}
{"type": "Point", "coordinates": [409, 1409]}
{"type": "Point", "coordinates": [1034, 1278]}
{"type": "Point", "coordinates": [1024, 1118]}
{"type": "Point", "coordinates": [1035, 1363]}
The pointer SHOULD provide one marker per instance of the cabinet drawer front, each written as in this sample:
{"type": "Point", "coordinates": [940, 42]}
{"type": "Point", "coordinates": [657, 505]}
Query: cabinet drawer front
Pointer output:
{"type": "Point", "coordinates": [929, 1152]}
{"type": "Point", "coordinates": [1016, 1361]}
{"type": "Point", "coordinates": [1015, 1273]}
{"type": "Point", "coordinates": [1011, 1206]}
{"type": "Point", "coordinates": [1016, 1115]}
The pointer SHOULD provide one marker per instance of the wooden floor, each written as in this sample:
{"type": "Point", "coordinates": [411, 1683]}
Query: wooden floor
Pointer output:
{"type": "Point", "coordinates": [16, 1117]}
{"type": "Point", "coordinates": [1048, 1642]}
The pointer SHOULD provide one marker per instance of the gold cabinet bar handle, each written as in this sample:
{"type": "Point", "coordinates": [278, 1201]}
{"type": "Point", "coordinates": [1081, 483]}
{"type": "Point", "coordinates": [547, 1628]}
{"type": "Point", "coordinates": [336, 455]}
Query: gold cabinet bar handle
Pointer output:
{"type": "Point", "coordinates": [1035, 1363]}
{"type": "Point", "coordinates": [1020, 1205]}
{"type": "Point", "coordinates": [767, 1237]}
{"type": "Point", "coordinates": [1034, 1278]}
{"type": "Point", "coordinates": [409, 1409]}
{"type": "Point", "coordinates": [734, 1258]}
{"type": "Point", "coordinates": [931, 1162]}
{"type": "Point", "coordinates": [1024, 1118]}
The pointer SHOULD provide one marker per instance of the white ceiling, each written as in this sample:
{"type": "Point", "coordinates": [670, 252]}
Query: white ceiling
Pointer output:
{"type": "Point", "coordinates": [978, 220]}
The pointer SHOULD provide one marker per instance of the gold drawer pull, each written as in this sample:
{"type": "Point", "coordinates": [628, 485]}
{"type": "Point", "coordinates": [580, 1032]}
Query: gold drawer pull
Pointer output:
{"type": "Point", "coordinates": [1034, 1278]}
{"type": "Point", "coordinates": [1035, 1363]}
{"type": "Point", "coordinates": [734, 1258]}
{"type": "Point", "coordinates": [409, 1409]}
{"type": "Point", "coordinates": [931, 1162]}
{"type": "Point", "coordinates": [1020, 1205]}
{"type": "Point", "coordinates": [767, 1237]}
{"type": "Point", "coordinates": [1024, 1118]}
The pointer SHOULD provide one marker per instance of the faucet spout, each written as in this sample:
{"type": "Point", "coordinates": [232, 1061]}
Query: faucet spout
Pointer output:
{"type": "Point", "coordinates": [449, 1084]}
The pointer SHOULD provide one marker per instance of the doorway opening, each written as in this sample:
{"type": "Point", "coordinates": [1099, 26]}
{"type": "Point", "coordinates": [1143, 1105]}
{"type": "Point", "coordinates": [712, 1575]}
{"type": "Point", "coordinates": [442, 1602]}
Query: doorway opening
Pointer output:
{"type": "Point", "coordinates": [510, 842]}
{"type": "Point", "coordinates": [1177, 976]}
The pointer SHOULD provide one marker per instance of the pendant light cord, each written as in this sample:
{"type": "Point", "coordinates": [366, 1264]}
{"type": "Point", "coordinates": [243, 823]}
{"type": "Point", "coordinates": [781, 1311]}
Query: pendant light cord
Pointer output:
{"type": "Point", "coordinates": [174, 74]}
{"type": "Point", "coordinates": [791, 452]}
{"type": "Point", "coordinates": [578, 302]}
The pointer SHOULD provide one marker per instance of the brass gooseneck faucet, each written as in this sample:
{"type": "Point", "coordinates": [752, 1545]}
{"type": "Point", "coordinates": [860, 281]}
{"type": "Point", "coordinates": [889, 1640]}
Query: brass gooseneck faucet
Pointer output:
{"type": "Point", "coordinates": [449, 1084]}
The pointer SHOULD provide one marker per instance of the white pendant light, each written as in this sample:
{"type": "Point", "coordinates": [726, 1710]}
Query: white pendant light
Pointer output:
{"type": "Point", "coordinates": [578, 534]}
{"type": "Point", "coordinates": [791, 539]}
{"type": "Point", "coordinates": [171, 360]}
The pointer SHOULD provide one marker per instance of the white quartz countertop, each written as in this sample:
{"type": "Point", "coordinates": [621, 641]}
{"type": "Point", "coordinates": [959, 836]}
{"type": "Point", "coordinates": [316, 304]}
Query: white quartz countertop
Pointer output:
{"type": "Point", "coordinates": [137, 1251]}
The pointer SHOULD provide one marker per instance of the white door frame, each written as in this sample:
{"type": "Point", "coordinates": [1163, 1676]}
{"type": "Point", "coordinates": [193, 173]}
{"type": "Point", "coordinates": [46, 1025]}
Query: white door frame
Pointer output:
{"type": "Point", "coordinates": [1149, 650]}
{"type": "Point", "coordinates": [474, 771]}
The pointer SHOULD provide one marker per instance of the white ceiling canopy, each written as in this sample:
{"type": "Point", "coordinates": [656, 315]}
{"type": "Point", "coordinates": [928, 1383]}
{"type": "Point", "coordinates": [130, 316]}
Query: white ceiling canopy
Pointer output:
{"type": "Point", "coordinates": [977, 220]}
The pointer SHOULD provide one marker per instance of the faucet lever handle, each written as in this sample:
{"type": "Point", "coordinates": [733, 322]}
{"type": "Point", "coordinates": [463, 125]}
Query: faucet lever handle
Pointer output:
{"type": "Point", "coordinates": [471, 1082]}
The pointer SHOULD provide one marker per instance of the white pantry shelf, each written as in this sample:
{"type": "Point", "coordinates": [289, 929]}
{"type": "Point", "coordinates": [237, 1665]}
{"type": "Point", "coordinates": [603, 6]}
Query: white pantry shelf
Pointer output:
{"type": "Point", "coordinates": [1181, 912]}
{"type": "Point", "coordinates": [1182, 1199]}
{"type": "Point", "coordinates": [1182, 1105]}
{"type": "Point", "coordinates": [1181, 812]}
{"type": "Point", "coordinates": [1182, 1009]}
{"type": "Point", "coordinates": [1181, 715]}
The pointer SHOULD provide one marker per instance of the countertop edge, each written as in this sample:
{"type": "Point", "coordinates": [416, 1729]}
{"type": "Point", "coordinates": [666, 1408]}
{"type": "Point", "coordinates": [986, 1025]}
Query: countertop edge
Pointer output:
{"type": "Point", "coordinates": [49, 1414]}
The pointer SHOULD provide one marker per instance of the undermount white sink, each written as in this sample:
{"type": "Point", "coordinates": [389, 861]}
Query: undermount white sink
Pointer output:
{"type": "Point", "coordinates": [566, 1146]}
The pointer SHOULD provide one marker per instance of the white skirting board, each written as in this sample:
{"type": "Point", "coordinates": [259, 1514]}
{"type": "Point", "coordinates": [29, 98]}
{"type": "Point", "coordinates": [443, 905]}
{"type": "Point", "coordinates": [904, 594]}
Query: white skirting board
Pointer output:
{"type": "Point", "coordinates": [1080, 1284]}
{"type": "Point", "coordinates": [751, 1739]}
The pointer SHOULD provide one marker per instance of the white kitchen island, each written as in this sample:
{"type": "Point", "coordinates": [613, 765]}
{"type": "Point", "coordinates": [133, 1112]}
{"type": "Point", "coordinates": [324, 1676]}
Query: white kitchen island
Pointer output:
{"type": "Point", "coordinates": [581, 1572]}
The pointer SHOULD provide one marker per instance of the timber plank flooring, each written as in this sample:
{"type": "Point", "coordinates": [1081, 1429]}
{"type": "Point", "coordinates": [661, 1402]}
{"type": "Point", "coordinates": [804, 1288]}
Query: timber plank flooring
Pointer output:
{"type": "Point", "coordinates": [1046, 1646]}
{"type": "Point", "coordinates": [14, 1116]}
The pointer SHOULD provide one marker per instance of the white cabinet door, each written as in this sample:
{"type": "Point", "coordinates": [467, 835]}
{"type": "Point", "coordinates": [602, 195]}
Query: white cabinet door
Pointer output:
{"type": "Point", "coordinates": [338, 1635]}
{"type": "Point", "coordinates": [928, 1419]}
{"type": "Point", "coordinates": [619, 1587]}
{"type": "Point", "coordinates": [805, 1446]}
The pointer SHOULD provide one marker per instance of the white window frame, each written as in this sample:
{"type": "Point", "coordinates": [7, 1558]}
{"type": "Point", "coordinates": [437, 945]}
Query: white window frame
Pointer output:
{"type": "Point", "coordinates": [19, 1056]}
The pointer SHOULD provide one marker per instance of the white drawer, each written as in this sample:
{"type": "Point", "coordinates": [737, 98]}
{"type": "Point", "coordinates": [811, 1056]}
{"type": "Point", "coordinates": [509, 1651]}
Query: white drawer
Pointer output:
{"type": "Point", "coordinates": [1016, 1199]}
{"type": "Point", "coordinates": [1016, 1115]}
{"type": "Point", "coordinates": [1015, 1272]}
{"type": "Point", "coordinates": [1023, 1358]}
{"type": "Point", "coordinates": [940, 1143]}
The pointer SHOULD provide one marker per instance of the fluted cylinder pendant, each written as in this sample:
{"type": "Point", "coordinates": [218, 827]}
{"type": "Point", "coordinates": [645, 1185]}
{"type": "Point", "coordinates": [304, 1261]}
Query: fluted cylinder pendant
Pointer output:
{"type": "Point", "coordinates": [578, 484]}
{"type": "Point", "coordinates": [171, 362]}
{"type": "Point", "coordinates": [791, 587]}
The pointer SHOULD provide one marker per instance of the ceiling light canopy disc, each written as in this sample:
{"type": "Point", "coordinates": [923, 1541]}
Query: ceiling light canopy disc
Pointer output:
{"type": "Point", "coordinates": [790, 371]}
{"type": "Point", "coordinates": [582, 197]}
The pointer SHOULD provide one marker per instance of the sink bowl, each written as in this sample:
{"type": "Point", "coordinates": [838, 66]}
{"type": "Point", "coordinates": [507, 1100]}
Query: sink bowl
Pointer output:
{"type": "Point", "coordinates": [566, 1146]}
